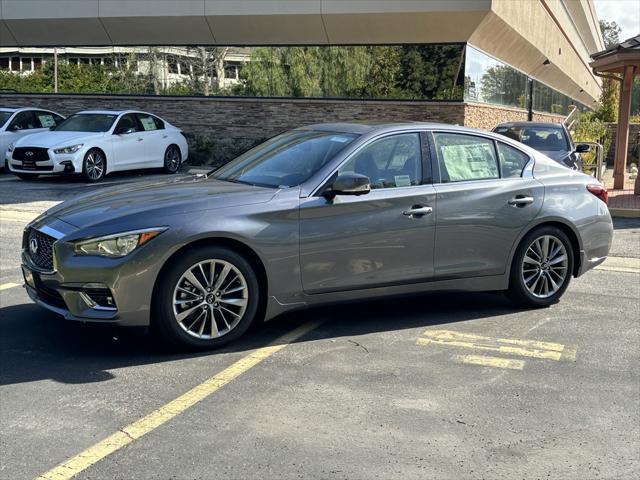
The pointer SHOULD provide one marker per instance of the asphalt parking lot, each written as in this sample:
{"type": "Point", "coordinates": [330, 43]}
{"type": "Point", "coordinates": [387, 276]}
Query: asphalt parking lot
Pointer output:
{"type": "Point", "coordinates": [432, 386]}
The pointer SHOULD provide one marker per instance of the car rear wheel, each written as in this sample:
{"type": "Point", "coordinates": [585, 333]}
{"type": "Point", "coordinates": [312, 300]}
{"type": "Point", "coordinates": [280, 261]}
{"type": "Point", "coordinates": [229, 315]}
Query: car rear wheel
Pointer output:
{"type": "Point", "coordinates": [542, 267]}
{"type": "Point", "coordinates": [27, 176]}
{"type": "Point", "coordinates": [172, 159]}
{"type": "Point", "coordinates": [205, 299]}
{"type": "Point", "coordinates": [94, 166]}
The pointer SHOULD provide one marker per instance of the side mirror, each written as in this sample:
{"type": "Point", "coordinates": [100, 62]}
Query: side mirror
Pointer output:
{"type": "Point", "coordinates": [582, 147]}
{"type": "Point", "coordinates": [349, 184]}
{"type": "Point", "coordinates": [124, 131]}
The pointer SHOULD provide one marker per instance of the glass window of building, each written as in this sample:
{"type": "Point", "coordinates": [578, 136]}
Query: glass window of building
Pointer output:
{"type": "Point", "coordinates": [488, 80]}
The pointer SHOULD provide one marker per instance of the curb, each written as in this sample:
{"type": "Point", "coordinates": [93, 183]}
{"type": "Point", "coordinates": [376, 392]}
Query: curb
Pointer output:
{"type": "Point", "coordinates": [624, 212]}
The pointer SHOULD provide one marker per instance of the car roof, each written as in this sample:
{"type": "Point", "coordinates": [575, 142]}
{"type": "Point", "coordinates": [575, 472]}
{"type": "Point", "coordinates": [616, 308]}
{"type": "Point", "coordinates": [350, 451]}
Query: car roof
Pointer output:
{"type": "Point", "coordinates": [530, 124]}
{"type": "Point", "coordinates": [380, 127]}
{"type": "Point", "coordinates": [7, 109]}
{"type": "Point", "coordinates": [108, 112]}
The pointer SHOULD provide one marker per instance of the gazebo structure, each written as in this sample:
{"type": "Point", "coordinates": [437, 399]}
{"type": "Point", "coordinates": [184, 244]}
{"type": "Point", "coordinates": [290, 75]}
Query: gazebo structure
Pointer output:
{"type": "Point", "coordinates": [620, 62]}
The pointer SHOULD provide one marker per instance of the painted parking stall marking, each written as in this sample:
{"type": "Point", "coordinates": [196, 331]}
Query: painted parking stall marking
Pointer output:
{"type": "Point", "coordinates": [505, 346]}
{"type": "Point", "coordinates": [7, 286]}
{"type": "Point", "coordinates": [128, 434]}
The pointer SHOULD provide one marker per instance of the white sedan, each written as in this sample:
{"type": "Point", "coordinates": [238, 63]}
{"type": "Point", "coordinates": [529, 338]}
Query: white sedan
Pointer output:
{"type": "Point", "coordinates": [95, 143]}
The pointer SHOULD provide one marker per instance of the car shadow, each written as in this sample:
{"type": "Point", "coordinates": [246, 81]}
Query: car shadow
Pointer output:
{"type": "Point", "coordinates": [36, 344]}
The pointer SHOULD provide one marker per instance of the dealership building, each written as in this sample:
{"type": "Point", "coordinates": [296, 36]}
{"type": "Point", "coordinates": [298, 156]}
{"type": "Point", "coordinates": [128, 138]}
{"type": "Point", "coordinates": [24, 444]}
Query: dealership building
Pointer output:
{"type": "Point", "coordinates": [471, 62]}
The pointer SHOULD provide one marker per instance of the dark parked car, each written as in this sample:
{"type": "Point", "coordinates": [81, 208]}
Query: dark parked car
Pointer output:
{"type": "Point", "coordinates": [551, 139]}
{"type": "Point", "coordinates": [320, 214]}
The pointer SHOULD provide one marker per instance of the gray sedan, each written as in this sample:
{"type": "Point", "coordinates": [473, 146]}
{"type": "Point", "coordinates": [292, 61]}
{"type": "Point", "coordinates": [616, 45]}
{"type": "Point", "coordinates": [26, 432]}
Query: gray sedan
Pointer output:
{"type": "Point", "coordinates": [321, 214]}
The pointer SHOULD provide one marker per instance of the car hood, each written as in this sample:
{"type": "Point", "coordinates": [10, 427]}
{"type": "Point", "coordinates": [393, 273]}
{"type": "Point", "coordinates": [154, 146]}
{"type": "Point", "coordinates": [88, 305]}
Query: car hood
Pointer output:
{"type": "Point", "coordinates": [154, 202]}
{"type": "Point", "coordinates": [56, 139]}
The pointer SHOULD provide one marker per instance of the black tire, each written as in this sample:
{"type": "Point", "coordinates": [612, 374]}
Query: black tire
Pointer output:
{"type": "Point", "coordinates": [520, 291]}
{"type": "Point", "coordinates": [94, 165]}
{"type": "Point", "coordinates": [172, 159]}
{"type": "Point", "coordinates": [164, 319]}
{"type": "Point", "coordinates": [27, 176]}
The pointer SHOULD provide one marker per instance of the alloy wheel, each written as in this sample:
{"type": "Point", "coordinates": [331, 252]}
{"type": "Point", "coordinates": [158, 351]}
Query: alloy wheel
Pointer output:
{"type": "Point", "coordinates": [545, 266]}
{"type": "Point", "coordinates": [172, 159]}
{"type": "Point", "coordinates": [210, 299]}
{"type": "Point", "coordinates": [94, 165]}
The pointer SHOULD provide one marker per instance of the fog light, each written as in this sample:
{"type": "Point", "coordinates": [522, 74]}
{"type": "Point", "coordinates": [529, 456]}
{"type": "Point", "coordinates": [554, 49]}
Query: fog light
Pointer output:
{"type": "Point", "coordinates": [68, 166]}
{"type": "Point", "coordinates": [98, 296]}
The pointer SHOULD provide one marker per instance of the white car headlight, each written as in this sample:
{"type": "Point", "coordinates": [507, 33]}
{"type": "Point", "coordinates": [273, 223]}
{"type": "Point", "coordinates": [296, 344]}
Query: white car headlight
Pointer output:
{"type": "Point", "coordinates": [70, 149]}
{"type": "Point", "coordinates": [10, 148]}
{"type": "Point", "coordinates": [117, 245]}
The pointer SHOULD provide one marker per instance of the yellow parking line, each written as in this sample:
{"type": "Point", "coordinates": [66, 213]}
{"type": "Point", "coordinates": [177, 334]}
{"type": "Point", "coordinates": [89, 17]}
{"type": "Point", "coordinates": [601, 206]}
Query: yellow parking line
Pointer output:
{"type": "Point", "coordinates": [6, 286]}
{"type": "Point", "coordinates": [508, 346]}
{"type": "Point", "coordinates": [491, 361]}
{"type": "Point", "coordinates": [153, 420]}
{"type": "Point", "coordinates": [620, 264]}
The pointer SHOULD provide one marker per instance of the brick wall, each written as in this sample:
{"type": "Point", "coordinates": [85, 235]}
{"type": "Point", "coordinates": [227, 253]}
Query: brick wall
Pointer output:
{"type": "Point", "coordinates": [247, 118]}
{"type": "Point", "coordinates": [634, 130]}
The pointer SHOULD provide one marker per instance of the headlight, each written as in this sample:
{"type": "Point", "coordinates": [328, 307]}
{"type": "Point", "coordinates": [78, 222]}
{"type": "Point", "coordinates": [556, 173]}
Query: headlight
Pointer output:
{"type": "Point", "coordinates": [70, 149]}
{"type": "Point", "coordinates": [10, 148]}
{"type": "Point", "coordinates": [117, 245]}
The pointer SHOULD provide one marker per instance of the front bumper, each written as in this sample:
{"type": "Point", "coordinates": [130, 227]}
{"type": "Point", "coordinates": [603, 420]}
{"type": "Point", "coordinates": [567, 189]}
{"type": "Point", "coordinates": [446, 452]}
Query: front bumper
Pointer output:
{"type": "Point", "coordinates": [55, 165]}
{"type": "Point", "coordinates": [77, 287]}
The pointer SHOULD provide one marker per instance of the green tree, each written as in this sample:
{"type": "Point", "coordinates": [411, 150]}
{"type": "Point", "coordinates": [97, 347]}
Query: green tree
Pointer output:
{"type": "Point", "coordinates": [610, 33]}
{"type": "Point", "coordinates": [504, 85]}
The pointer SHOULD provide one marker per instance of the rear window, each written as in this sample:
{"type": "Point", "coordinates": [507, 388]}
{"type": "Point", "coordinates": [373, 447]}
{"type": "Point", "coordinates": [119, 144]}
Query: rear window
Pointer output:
{"type": "Point", "coordinates": [541, 138]}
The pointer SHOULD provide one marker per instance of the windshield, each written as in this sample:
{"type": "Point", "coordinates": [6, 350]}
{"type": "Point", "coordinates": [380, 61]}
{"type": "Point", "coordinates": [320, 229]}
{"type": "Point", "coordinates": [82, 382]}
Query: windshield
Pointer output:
{"type": "Point", "coordinates": [546, 139]}
{"type": "Point", "coordinates": [286, 160]}
{"type": "Point", "coordinates": [87, 122]}
{"type": "Point", "coordinates": [4, 116]}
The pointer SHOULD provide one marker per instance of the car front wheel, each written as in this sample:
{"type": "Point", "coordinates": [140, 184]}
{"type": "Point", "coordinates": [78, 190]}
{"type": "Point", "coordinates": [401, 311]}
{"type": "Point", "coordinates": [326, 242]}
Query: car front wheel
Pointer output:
{"type": "Point", "coordinates": [542, 267]}
{"type": "Point", "coordinates": [94, 166]}
{"type": "Point", "coordinates": [205, 299]}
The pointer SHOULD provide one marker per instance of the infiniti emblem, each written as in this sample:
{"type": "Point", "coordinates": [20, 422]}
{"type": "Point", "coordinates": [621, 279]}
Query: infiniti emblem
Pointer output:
{"type": "Point", "coordinates": [29, 154]}
{"type": "Point", "coordinates": [33, 246]}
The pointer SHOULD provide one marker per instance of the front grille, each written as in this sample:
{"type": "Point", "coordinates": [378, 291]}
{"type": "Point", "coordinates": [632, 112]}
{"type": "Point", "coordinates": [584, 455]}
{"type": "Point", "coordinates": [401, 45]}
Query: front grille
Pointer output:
{"type": "Point", "coordinates": [39, 247]}
{"type": "Point", "coordinates": [30, 154]}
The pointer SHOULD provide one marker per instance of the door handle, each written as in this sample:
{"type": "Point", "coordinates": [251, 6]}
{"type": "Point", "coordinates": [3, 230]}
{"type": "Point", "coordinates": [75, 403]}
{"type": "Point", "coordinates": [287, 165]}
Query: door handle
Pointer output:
{"type": "Point", "coordinates": [140, 139]}
{"type": "Point", "coordinates": [165, 135]}
{"type": "Point", "coordinates": [417, 211]}
{"type": "Point", "coordinates": [520, 201]}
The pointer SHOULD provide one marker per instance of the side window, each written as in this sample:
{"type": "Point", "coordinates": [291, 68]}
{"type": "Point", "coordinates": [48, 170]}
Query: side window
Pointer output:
{"type": "Point", "coordinates": [465, 157]}
{"type": "Point", "coordinates": [159, 123]}
{"type": "Point", "coordinates": [393, 161]}
{"type": "Point", "coordinates": [58, 119]}
{"type": "Point", "coordinates": [127, 122]}
{"type": "Point", "coordinates": [24, 121]}
{"type": "Point", "coordinates": [46, 119]}
{"type": "Point", "coordinates": [147, 121]}
{"type": "Point", "coordinates": [512, 161]}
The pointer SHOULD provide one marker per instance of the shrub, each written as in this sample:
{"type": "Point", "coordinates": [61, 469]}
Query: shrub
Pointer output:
{"type": "Point", "coordinates": [591, 129]}
{"type": "Point", "coordinates": [214, 152]}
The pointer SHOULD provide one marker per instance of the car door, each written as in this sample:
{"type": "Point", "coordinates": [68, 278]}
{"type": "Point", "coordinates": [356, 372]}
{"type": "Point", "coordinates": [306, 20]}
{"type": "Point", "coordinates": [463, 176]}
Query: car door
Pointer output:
{"type": "Point", "coordinates": [486, 195]}
{"type": "Point", "coordinates": [382, 238]}
{"type": "Point", "coordinates": [155, 142]}
{"type": "Point", "coordinates": [127, 145]}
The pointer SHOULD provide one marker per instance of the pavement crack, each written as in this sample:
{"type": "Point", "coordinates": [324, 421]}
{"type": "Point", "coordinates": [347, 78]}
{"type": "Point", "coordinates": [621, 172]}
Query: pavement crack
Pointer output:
{"type": "Point", "coordinates": [359, 345]}
{"type": "Point", "coordinates": [126, 433]}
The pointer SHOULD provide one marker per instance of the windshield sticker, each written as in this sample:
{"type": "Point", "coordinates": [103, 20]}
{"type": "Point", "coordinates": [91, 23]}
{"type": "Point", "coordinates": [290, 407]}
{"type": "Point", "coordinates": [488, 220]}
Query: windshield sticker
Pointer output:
{"type": "Point", "coordinates": [340, 139]}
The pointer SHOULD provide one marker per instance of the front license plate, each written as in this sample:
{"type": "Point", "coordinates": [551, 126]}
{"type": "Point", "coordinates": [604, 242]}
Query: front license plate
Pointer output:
{"type": "Point", "coordinates": [28, 165]}
{"type": "Point", "coordinates": [28, 277]}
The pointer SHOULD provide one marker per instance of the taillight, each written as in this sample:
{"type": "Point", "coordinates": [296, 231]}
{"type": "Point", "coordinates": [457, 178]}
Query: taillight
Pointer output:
{"type": "Point", "coordinates": [599, 191]}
